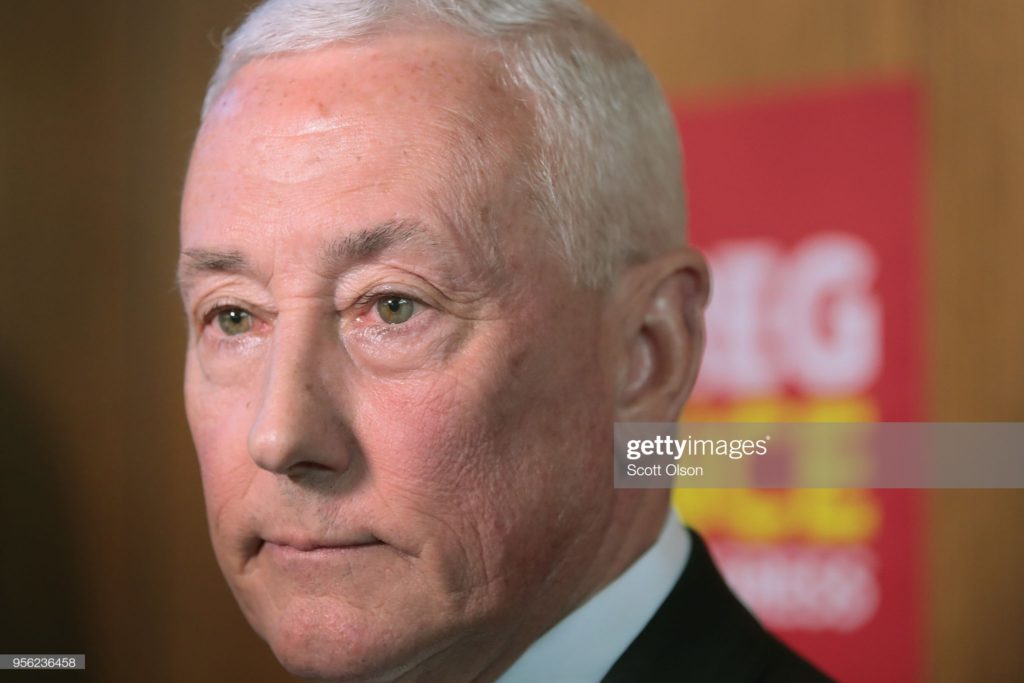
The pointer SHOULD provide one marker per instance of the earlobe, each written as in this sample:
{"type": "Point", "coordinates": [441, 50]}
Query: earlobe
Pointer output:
{"type": "Point", "coordinates": [665, 340]}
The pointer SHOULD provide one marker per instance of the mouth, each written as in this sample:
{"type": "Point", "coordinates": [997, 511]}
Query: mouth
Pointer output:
{"type": "Point", "coordinates": [300, 549]}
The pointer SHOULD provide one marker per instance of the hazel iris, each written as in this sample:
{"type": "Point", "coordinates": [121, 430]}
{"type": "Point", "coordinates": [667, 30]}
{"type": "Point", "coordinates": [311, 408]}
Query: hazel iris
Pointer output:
{"type": "Point", "coordinates": [234, 321]}
{"type": "Point", "coordinates": [395, 310]}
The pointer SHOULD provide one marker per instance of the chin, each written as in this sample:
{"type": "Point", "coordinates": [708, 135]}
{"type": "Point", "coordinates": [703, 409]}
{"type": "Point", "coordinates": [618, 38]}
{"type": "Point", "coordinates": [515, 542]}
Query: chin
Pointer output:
{"type": "Point", "coordinates": [330, 666]}
{"type": "Point", "coordinates": [339, 647]}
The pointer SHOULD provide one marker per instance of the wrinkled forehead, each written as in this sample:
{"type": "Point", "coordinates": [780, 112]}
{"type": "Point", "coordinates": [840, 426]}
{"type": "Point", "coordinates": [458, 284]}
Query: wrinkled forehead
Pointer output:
{"type": "Point", "coordinates": [425, 110]}
{"type": "Point", "coordinates": [434, 85]}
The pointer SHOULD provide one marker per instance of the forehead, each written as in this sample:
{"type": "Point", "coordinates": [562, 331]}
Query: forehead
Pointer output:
{"type": "Point", "coordinates": [360, 128]}
{"type": "Point", "coordinates": [419, 73]}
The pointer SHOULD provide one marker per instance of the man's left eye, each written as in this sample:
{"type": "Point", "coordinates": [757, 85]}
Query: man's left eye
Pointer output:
{"type": "Point", "coordinates": [395, 310]}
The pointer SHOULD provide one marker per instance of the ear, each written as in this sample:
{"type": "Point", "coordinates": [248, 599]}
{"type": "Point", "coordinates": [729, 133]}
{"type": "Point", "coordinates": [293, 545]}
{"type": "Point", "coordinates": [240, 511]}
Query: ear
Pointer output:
{"type": "Point", "coordinates": [661, 311]}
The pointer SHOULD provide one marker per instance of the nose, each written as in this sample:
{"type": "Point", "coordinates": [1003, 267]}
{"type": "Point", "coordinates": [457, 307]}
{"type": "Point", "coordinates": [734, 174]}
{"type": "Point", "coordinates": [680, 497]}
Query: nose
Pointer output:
{"type": "Point", "coordinates": [300, 428]}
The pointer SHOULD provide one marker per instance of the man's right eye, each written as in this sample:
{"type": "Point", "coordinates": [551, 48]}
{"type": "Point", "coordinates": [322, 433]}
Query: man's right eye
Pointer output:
{"type": "Point", "coordinates": [234, 321]}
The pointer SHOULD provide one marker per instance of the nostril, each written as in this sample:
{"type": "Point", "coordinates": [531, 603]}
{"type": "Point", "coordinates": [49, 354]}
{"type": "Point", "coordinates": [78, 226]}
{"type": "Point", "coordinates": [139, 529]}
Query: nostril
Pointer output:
{"type": "Point", "coordinates": [304, 469]}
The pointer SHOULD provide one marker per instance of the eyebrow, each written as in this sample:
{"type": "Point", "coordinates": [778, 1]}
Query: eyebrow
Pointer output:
{"type": "Point", "coordinates": [366, 244]}
{"type": "Point", "coordinates": [196, 262]}
{"type": "Point", "coordinates": [359, 246]}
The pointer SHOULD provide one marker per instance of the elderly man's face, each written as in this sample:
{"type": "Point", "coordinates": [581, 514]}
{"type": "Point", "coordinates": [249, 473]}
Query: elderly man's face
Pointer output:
{"type": "Point", "coordinates": [401, 406]}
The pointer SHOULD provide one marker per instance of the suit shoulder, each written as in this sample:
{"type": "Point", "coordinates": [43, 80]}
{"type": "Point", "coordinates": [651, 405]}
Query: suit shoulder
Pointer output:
{"type": "Point", "coordinates": [703, 633]}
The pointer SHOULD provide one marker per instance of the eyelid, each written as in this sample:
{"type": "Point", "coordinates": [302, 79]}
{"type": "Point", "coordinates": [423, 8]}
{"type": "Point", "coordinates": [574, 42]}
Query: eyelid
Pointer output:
{"type": "Point", "coordinates": [209, 309]}
{"type": "Point", "coordinates": [364, 301]}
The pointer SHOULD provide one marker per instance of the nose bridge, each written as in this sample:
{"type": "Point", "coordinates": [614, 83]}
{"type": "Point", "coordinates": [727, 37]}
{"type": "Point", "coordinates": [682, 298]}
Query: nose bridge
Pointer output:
{"type": "Point", "coordinates": [299, 424]}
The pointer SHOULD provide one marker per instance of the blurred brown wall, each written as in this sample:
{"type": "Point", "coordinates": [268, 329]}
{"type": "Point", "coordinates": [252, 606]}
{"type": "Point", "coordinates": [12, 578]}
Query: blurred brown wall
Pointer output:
{"type": "Point", "coordinates": [98, 105]}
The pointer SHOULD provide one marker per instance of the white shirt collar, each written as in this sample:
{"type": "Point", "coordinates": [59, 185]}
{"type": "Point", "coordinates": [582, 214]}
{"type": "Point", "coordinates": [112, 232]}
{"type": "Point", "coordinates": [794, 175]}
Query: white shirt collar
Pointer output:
{"type": "Point", "coordinates": [583, 646]}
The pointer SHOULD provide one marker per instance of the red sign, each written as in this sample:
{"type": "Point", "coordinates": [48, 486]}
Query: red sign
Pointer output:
{"type": "Point", "coordinates": [808, 208]}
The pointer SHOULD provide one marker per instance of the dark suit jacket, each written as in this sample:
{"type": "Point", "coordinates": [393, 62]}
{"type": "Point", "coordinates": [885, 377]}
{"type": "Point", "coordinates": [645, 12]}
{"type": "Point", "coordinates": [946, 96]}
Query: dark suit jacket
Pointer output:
{"type": "Point", "coordinates": [702, 633]}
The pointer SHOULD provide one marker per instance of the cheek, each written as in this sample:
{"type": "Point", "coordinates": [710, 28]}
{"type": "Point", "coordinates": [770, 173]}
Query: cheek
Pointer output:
{"type": "Point", "coordinates": [483, 448]}
{"type": "Point", "coordinates": [422, 440]}
{"type": "Point", "coordinates": [219, 421]}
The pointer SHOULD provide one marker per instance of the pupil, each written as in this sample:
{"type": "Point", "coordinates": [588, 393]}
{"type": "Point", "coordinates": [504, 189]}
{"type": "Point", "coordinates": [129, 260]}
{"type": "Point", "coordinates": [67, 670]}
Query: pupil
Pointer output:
{"type": "Point", "coordinates": [394, 304]}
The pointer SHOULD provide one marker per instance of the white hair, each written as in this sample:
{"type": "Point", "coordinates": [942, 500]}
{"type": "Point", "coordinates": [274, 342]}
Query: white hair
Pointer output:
{"type": "Point", "coordinates": [606, 174]}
